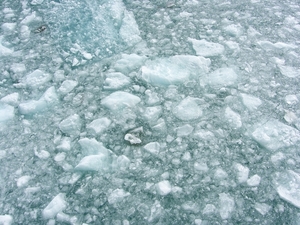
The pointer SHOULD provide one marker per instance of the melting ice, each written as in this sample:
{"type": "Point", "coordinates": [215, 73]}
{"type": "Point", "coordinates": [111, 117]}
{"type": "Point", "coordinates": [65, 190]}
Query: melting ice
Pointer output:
{"type": "Point", "coordinates": [149, 112]}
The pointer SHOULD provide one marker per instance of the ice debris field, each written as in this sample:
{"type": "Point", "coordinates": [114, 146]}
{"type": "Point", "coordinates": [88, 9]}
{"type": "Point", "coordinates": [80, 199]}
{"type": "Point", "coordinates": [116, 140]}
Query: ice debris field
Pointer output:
{"type": "Point", "coordinates": [149, 112]}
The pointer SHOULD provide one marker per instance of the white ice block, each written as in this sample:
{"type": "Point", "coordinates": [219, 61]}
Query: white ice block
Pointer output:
{"type": "Point", "coordinates": [188, 109]}
{"type": "Point", "coordinates": [174, 70]}
{"type": "Point", "coordinates": [119, 100]}
{"type": "Point", "coordinates": [163, 187]}
{"type": "Point", "coordinates": [206, 48]}
{"type": "Point", "coordinates": [226, 205]}
{"type": "Point", "coordinates": [71, 125]}
{"type": "Point", "coordinates": [58, 204]}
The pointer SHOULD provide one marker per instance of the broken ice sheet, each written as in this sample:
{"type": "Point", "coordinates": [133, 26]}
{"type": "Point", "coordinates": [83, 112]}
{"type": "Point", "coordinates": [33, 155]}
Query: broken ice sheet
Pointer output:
{"type": "Point", "coordinates": [274, 135]}
{"type": "Point", "coordinates": [287, 185]}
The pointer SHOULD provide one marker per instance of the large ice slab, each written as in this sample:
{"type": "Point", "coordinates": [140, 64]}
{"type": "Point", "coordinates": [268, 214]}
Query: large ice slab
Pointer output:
{"type": "Point", "coordinates": [188, 109]}
{"type": "Point", "coordinates": [287, 185]}
{"type": "Point", "coordinates": [58, 204]}
{"type": "Point", "coordinates": [119, 100]}
{"type": "Point", "coordinates": [174, 70]}
{"type": "Point", "coordinates": [221, 77]}
{"type": "Point", "coordinates": [48, 99]}
{"type": "Point", "coordinates": [274, 135]}
{"type": "Point", "coordinates": [206, 48]}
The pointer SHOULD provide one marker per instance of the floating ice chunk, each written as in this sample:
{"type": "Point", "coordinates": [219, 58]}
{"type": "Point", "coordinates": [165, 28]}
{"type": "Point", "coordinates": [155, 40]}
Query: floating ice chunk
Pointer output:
{"type": "Point", "coordinates": [48, 99]}
{"type": "Point", "coordinates": [129, 63]}
{"type": "Point", "coordinates": [6, 219]}
{"type": "Point", "coordinates": [43, 154]}
{"type": "Point", "coordinates": [4, 51]}
{"type": "Point", "coordinates": [67, 86]}
{"type": "Point", "coordinates": [203, 134]}
{"type": "Point", "coordinates": [2, 154]}
{"type": "Point", "coordinates": [205, 48]}
{"type": "Point", "coordinates": [22, 181]}
{"type": "Point", "coordinates": [71, 125]}
{"type": "Point", "coordinates": [209, 209]}
{"type": "Point", "coordinates": [242, 172]}
{"type": "Point", "coordinates": [233, 46]}
{"type": "Point", "coordinates": [121, 163]}
{"type": "Point", "coordinates": [290, 117]}
{"type": "Point", "coordinates": [18, 68]}
{"type": "Point", "coordinates": [277, 158]}
{"type": "Point", "coordinates": [198, 221]}
{"type": "Point", "coordinates": [60, 157]}
{"type": "Point", "coordinates": [219, 78]}
{"type": "Point", "coordinates": [220, 174]}
{"type": "Point", "coordinates": [188, 109]}
{"type": "Point", "coordinates": [174, 70]}
{"type": "Point", "coordinates": [152, 147]}
{"type": "Point", "coordinates": [98, 126]}
{"type": "Point", "coordinates": [98, 162]}
{"type": "Point", "coordinates": [36, 2]}
{"type": "Point", "coordinates": [8, 28]}
{"type": "Point", "coordinates": [289, 71]}
{"type": "Point", "coordinates": [274, 135]}
{"type": "Point", "coordinates": [200, 167]}
{"type": "Point", "coordinates": [152, 114]}
{"type": "Point", "coordinates": [129, 30]}
{"type": "Point", "coordinates": [24, 32]}
{"type": "Point", "coordinates": [163, 187]}
{"type": "Point", "coordinates": [254, 180]}
{"type": "Point", "coordinates": [291, 99]}
{"type": "Point", "coordinates": [119, 100]}
{"type": "Point", "coordinates": [36, 79]}
{"type": "Point", "coordinates": [184, 130]}
{"type": "Point", "coordinates": [92, 147]}
{"type": "Point", "coordinates": [226, 205]}
{"type": "Point", "coordinates": [115, 81]}
{"type": "Point", "coordinates": [152, 97]}
{"type": "Point", "coordinates": [233, 30]}
{"type": "Point", "coordinates": [190, 207]}
{"type": "Point", "coordinates": [288, 187]}
{"type": "Point", "coordinates": [31, 18]}
{"type": "Point", "coordinates": [65, 144]}
{"type": "Point", "coordinates": [117, 196]}
{"type": "Point", "coordinates": [7, 112]}
{"type": "Point", "coordinates": [58, 204]}
{"type": "Point", "coordinates": [160, 128]}
{"type": "Point", "coordinates": [262, 208]}
{"type": "Point", "coordinates": [156, 212]}
{"type": "Point", "coordinates": [267, 45]}
{"type": "Point", "coordinates": [251, 102]}
{"type": "Point", "coordinates": [233, 118]}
